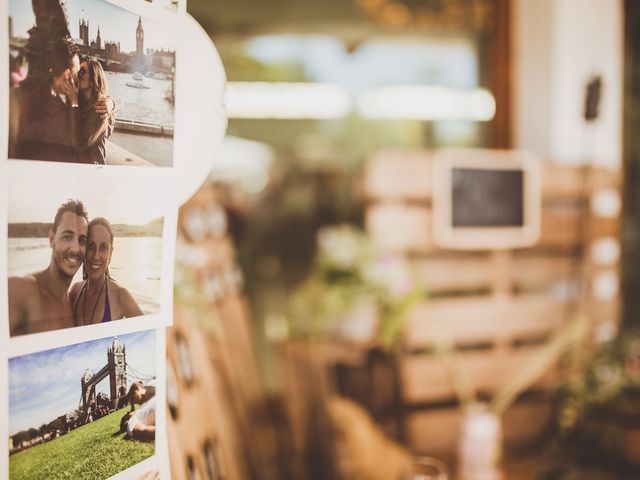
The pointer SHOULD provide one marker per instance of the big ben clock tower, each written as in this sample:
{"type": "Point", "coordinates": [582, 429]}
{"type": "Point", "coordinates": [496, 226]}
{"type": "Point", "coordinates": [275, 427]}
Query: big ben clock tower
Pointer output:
{"type": "Point", "coordinates": [139, 39]}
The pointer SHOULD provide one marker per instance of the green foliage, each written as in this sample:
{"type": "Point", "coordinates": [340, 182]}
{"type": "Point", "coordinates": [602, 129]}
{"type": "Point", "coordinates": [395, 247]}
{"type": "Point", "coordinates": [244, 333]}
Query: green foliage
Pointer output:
{"type": "Point", "coordinates": [351, 277]}
{"type": "Point", "coordinates": [610, 377]}
{"type": "Point", "coordinates": [94, 451]}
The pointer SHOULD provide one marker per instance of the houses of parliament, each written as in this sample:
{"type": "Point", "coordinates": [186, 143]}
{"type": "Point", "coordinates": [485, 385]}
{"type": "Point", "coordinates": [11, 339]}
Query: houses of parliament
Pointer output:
{"type": "Point", "coordinates": [114, 59]}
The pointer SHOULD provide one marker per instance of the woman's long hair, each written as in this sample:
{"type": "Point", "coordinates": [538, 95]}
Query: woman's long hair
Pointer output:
{"type": "Point", "coordinates": [97, 79]}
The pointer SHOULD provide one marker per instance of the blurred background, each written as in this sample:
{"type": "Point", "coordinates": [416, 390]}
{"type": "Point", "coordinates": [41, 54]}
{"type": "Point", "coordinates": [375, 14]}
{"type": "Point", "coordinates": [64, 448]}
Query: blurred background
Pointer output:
{"type": "Point", "coordinates": [325, 328]}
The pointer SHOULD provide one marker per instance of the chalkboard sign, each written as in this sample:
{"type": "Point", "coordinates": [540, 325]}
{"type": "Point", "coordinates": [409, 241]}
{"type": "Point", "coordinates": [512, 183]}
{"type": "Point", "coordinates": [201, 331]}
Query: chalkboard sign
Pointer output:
{"type": "Point", "coordinates": [485, 199]}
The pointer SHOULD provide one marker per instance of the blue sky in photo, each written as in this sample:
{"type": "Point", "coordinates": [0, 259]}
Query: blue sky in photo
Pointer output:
{"type": "Point", "coordinates": [116, 24]}
{"type": "Point", "coordinates": [45, 385]}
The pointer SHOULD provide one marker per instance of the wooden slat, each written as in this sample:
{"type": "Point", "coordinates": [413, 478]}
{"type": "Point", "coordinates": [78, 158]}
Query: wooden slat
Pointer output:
{"type": "Point", "coordinates": [399, 227]}
{"type": "Point", "coordinates": [603, 227]}
{"type": "Point", "coordinates": [424, 378]}
{"type": "Point", "coordinates": [481, 319]}
{"type": "Point", "coordinates": [605, 178]}
{"type": "Point", "coordinates": [534, 271]}
{"type": "Point", "coordinates": [407, 228]}
{"type": "Point", "coordinates": [399, 175]}
{"type": "Point", "coordinates": [559, 228]}
{"type": "Point", "coordinates": [568, 181]}
{"type": "Point", "coordinates": [465, 272]}
{"type": "Point", "coordinates": [436, 432]}
{"type": "Point", "coordinates": [560, 181]}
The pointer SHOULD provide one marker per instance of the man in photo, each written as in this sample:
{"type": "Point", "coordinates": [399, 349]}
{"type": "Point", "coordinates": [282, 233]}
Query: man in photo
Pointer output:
{"type": "Point", "coordinates": [39, 302]}
{"type": "Point", "coordinates": [44, 129]}
{"type": "Point", "coordinates": [49, 126]}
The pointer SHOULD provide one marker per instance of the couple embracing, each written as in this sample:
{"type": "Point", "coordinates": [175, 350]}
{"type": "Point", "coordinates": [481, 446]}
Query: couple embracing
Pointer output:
{"type": "Point", "coordinates": [46, 300]}
{"type": "Point", "coordinates": [70, 116]}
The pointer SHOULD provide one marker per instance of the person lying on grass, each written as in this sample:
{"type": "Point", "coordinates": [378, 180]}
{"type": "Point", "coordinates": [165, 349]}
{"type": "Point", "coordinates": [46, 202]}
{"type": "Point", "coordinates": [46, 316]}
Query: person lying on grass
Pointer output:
{"type": "Point", "coordinates": [140, 424]}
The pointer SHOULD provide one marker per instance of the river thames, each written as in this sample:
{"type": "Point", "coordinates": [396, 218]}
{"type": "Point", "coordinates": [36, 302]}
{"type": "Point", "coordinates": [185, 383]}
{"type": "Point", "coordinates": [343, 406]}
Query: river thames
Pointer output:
{"type": "Point", "coordinates": [147, 105]}
{"type": "Point", "coordinates": [136, 265]}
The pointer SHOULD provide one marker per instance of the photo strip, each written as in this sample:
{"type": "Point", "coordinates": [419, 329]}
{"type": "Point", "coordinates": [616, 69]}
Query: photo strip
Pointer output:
{"type": "Point", "coordinates": [86, 410]}
{"type": "Point", "coordinates": [90, 83]}
{"type": "Point", "coordinates": [90, 252]}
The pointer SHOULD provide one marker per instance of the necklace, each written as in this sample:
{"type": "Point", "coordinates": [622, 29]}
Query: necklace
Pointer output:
{"type": "Point", "coordinates": [95, 305]}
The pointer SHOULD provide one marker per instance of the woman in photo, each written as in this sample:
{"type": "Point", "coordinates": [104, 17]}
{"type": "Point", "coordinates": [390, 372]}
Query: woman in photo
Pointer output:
{"type": "Point", "coordinates": [98, 298]}
{"type": "Point", "coordinates": [91, 128]}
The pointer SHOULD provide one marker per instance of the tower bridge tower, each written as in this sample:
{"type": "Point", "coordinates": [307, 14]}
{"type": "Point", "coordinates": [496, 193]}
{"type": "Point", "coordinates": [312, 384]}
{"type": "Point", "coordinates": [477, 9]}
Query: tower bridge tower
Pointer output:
{"type": "Point", "coordinates": [117, 364]}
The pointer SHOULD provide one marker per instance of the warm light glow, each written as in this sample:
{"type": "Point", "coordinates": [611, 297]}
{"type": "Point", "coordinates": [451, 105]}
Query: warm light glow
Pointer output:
{"type": "Point", "coordinates": [244, 162]}
{"type": "Point", "coordinates": [262, 100]}
{"type": "Point", "coordinates": [422, 102]}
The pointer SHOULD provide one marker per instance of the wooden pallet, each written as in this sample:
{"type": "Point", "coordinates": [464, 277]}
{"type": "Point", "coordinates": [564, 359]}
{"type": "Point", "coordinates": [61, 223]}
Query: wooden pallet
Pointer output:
{"type": "Point", "coordinates": [495, 307]}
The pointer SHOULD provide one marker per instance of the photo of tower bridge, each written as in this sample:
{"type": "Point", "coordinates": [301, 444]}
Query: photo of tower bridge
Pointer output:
{"type": "Point", "coordinates": [72, 398]}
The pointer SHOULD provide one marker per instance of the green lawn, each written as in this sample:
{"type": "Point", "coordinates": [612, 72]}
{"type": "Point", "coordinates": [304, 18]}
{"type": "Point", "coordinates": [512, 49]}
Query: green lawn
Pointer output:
{"type": "Point", "coordinates": [92, 451]}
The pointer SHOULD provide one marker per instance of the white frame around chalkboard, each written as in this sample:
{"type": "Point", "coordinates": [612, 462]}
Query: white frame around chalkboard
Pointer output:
{"type": "Point", "coordinates": [446, 235]}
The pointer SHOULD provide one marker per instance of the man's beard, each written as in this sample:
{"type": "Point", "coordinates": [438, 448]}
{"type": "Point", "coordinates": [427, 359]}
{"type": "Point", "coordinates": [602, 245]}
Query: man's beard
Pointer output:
{"type": "Point", "coordinates": [64, 274]}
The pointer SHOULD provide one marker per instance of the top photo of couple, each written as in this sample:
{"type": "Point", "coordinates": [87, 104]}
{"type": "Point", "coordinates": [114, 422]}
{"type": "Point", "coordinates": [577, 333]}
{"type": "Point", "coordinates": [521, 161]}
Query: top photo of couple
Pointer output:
{"type": "Point", "coordinates": [90, 83]}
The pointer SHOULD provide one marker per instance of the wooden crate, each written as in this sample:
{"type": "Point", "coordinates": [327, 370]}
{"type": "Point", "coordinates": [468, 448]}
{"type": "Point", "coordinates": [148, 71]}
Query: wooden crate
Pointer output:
{"type": "Point", "coordinates": [495, 307]}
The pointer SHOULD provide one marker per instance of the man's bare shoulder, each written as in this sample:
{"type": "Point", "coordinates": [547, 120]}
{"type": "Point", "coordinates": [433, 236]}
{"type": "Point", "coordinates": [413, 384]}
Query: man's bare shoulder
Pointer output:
{"type": "Point", "coordinates": [27, 284]}
{"type": "Point", "coordinates": [22, 293]}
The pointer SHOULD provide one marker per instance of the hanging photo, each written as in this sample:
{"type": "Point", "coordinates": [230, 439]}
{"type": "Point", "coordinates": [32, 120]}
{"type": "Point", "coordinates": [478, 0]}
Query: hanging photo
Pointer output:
{"type": "Point", "coordinates": [89, 252]}
{"type": "Point", "coordinates": [87, 410]}
{"type": "Point", "coordinates": [90, 83]}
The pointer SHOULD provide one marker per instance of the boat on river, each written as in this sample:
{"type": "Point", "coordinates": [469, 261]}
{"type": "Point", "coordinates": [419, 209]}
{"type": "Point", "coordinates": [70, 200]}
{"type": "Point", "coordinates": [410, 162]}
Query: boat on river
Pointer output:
{"type": "Point", "coordinates": [137, 82]}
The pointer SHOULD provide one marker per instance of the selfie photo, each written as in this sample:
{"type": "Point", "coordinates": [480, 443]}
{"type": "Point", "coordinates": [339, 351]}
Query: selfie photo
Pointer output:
{"type": "Point", "coordinates": [89, 254]}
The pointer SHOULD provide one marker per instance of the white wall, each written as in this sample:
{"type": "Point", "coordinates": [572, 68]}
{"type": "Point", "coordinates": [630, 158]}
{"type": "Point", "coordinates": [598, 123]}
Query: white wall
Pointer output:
{"type": "Point", "coordinates": [558, 45]}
